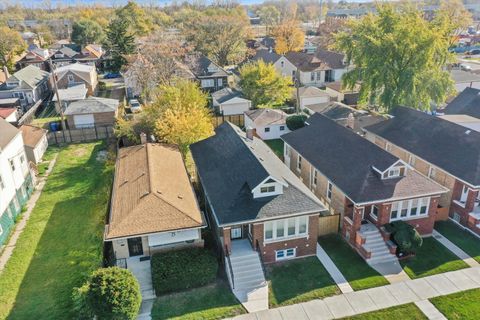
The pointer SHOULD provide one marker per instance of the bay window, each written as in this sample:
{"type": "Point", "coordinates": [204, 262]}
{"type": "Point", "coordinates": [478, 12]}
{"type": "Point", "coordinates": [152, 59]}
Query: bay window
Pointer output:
{"type": "Point", "coordinates": [285, 228]}
{"type": "Point", "coordinates": [409, 209]}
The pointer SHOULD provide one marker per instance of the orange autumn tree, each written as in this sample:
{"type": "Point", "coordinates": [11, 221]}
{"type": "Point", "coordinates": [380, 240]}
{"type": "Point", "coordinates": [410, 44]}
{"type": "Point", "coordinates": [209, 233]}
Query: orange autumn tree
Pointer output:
{"type": "Point", "coordinates": [289, 36]}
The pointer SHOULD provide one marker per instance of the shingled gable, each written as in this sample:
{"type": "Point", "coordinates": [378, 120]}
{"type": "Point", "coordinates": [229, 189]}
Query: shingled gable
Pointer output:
{"type": "Point", "coordinates": [445, 144]}
{"type": "Point", "coordinates": [354, 164]}
{"type": "Point", "coordinates": [231, 166]}
{"type": "Point", "coordinates": [151, 193]}
{"type": "Point", "coordinates": [467, 102]}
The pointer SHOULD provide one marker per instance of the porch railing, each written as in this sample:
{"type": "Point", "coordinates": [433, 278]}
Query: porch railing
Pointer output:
{"type": "Point", "coordinates": [232, 277]}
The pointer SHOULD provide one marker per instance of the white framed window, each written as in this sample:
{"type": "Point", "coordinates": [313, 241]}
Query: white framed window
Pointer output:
{"type": "Point", "coordinates": [207, 83]}
{"type": "Point", "coordinates": [312, 76]}
{"type": "Point", "coordinates": [329, 190]}
{"type": "Point", "coordinates": [285, 254]}
{"type": "Point", "coordinates": [299, 163]}
{"type": "Point", "coordinates": [12, 164]}
{"type": "Point", "coordinates": [282, 128]}
{"type": "Point", "coordinates": [2, 184]}
{"type": "Point", "coordinates": [267, 129]}
{"type": "Point", "coordinates": [287, 150]}
{"type": "Point", "coordinates": [315, 177]}
{"type": "Point", "coordinates": [432, 172]}
{"type": "Point", "coordinates": [285, 228]}
{"type": "Point", "coordinates": [395, 172]}
{"type": "Point", "coordinates": [411, 160]}
{"type": "Point", "coordinates": [409, 208]}
{"type": "Point", "coordinates": [22, 159]}
{"type": "Point", "coordinates": [220, 82]}
{"type": "Point", "coordinates": [282, 64]}
{"type": "Point", "coordinates": [267, 189]}
{"type": "Point", "coordinates": [464, 195]}
{"type": "Point", "coordinates": [374, 212]}
{"type": "Point", "coordinates": [319, 76]}
{"type": "Point", "coordinates": [71, 79]}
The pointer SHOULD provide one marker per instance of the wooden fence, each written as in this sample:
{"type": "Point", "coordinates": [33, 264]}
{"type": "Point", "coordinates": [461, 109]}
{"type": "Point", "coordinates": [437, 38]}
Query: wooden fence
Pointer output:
{"type": "Point", "coordinates": [328, 224]}
{"type": "Point", "coordinates": [80, 135]}
{"type": "Point", "coordinates": [236, 119]}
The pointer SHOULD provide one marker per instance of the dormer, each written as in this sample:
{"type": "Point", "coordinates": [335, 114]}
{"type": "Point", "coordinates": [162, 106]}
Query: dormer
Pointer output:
{"type": "Point", "coordinates": [59, 55]}
{"type": "Point", "coordinates": [269, 187]}
{"type": "Point", "coordinates": [212, 68]}
{"type": "Point", "coordinates": [398, 169]}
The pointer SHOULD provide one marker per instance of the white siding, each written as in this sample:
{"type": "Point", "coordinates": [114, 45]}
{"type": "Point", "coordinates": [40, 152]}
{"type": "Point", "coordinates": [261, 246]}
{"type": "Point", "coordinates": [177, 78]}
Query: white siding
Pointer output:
{"type": "Point", "coordinates": [274, 132]}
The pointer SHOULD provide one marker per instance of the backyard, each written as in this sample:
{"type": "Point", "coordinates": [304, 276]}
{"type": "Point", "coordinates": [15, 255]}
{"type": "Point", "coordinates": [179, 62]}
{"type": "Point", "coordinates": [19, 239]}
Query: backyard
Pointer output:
{"type": "Point", "coordinates": [462, 238]}
{"type": "Point", "coordinates": [357, 272]}
{"type": "Point", "coordinates": [461, 305]}
{"type": "Point", "coordinates": [62, 242]}
{"type": "Point", "coordinates": [277, 146]}
{"type": "Point", "coordinates": [431, 258]}
{"type": "Point", "coordinates": [298, 281]}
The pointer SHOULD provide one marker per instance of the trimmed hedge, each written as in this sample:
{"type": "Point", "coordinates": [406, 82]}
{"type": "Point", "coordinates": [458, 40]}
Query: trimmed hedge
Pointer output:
{"type": "Point", "coordinates": [405, 236]}
{"type": "Point", "coordinates": [183, 269]}
{"type": "Point", "coordinates": [296, 121]}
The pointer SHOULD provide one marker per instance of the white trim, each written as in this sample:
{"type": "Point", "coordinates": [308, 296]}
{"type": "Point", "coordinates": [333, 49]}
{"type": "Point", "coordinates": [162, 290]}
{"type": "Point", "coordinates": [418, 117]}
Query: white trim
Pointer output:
{"type": "Point", "coordinates": [265, 180]}
{"type": "Point", "coordinates": [285, 235]}
{"type": "Point", "coordinates": [285, 254]}
{"type": "Point", "coordinates": [409, 215]}
{"type": "Point", "coordinates": [371, 212]}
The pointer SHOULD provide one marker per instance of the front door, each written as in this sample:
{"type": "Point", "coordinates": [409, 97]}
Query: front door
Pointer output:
{"type": "Point", "coordinates": [135, 247]}
{"type": "Point", "coordinates": [236, 233]}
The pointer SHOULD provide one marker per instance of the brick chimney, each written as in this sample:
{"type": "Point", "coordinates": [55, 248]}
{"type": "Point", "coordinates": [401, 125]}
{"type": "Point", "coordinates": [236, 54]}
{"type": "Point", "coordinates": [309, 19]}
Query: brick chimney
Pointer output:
{"type": "Point", "coordinates": [143, 138]}
{"type": "Point", "coordinates": [350, 120]}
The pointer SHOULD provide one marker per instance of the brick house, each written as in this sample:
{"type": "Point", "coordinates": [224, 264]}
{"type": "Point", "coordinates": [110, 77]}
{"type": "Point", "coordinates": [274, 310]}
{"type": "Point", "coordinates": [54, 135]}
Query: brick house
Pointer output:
{"type": "Point", "coordinates": [447, 153]}
{"type": "Point", "coordinates": [251, 196]}
{"type": "Point", "coordinates": [366, 185]}
{"type": "Point", "coordinates": [71, 75]}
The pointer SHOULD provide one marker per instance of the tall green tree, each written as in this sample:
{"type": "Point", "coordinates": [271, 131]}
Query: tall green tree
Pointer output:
{"type": "Point", "coordinates": [270, 16]}
{"type": "Point", "coordinates": [119, 42]}
{"type": "Point", "coordinates": [139, 22]}
{"type": "Point", "coordinates": [262, 84]}
{"type": "Point", "coordinates": [398, 58]}
{"type": "Point", "coordinates": [87, 31]}
{"type": "Point", "coordinates": [11, 44]}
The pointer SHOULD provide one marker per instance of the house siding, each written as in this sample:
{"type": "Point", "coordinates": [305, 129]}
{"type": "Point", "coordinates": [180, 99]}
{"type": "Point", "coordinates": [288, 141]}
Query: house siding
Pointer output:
{"type": "Point", "coordinates": [90, 85]}
{"type": "Point", "coordinates": [100, 119]}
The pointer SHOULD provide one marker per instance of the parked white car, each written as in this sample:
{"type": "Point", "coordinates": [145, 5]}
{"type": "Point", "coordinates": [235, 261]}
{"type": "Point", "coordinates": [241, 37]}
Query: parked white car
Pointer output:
{"type": "Point", "coordinates": [135, 106]}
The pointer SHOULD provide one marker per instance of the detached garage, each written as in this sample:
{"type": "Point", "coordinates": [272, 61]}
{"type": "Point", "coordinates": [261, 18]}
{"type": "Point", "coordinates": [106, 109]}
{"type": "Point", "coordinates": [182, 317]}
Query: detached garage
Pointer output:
{"type": "Point", "coordinates": [91, 112]}
{"type": "Point", "coordinates": [312, 95]}
{"type": "Point", "coordinates": [230, 102]}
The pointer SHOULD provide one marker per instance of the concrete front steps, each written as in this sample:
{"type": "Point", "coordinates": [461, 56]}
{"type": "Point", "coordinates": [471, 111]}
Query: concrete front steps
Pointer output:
{"type": "Point", "coordinates": [375, 244]}
{"type": "Point", "coordinates": [249, 284]}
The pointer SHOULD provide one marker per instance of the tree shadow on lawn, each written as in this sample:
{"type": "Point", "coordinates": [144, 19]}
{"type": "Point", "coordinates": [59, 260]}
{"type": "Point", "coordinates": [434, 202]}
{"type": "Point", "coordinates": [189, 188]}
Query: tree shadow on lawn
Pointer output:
{"type": "Point", "coordinates": [70, 217]}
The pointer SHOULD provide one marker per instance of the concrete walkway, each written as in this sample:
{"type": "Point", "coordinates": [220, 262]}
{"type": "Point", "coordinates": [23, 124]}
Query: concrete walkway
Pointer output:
{"type": "Point", "coordinates": [19, 227]}
{"type": "Point", "coordinates": [349, 304]}
{"type": "Point", "coordinates": [430, 310]}
{"type": "Point", "coordinates": [392, 271]}
{"type": "Point", "coordinates": [332, 269]}
{"type": "Point", "coordinates": [455, 249]}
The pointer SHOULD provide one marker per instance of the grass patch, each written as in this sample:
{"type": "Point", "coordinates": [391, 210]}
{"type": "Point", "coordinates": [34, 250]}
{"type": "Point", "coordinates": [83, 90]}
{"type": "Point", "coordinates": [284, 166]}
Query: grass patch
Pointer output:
{"type": "Point", "coordinates": [357, 272]}
{"type": "Point", "coordinates": [277, 146]}
{"type": "Point", "coordinates": [207, 303]}
{"type": "Point", "coordinates": [47, 158]}
{"type": "Point", "coordinates": [405, 312]}
{"type": "Point", "coordinates": [62, 242]}
{"type": "Point", "coordinates": [298, 281]}
{"type": "Point", "coordinates": [462, 238]}
{"type": "Point", "coordinates": [43, 122]}
{"type": "Point", "coordinates": [461, 305]}
{"type": "Point", "coordinates": [432, 258]}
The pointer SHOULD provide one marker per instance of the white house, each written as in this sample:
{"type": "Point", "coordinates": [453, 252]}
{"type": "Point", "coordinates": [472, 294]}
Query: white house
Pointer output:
{"type": "Point", "coordinates": [16, 183]}
{"type": "Point", "coordinates": [35, 141]}
{"type": "Point", "coordinates": [228, 101]}
{"type": "Point", "coordinates": [312, 95]}
{"type": "Point", "coordinates": [9, 114]}
{"type": "Point", "coordinates": [268, 123]}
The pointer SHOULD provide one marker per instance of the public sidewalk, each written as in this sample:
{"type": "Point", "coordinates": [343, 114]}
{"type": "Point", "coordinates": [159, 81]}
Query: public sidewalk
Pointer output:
{"type": "Point", "coordinates": [10, 246]}
{"type": "Point", "coordinates": [332, 269]}
{"type": "Point", "coordinates": [349, 304]}
{"type": "Point", "coordinates": [454, 249]}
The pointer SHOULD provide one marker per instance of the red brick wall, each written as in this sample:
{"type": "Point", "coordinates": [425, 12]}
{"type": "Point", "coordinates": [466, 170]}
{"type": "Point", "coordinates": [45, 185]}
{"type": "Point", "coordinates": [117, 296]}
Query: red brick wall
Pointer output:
{"type": "Point", "coordinates": [226, 239]}
{"type": "Point", "coordinates": [469, 205]}
{"type": "Point", "coordinates": [304, 246]}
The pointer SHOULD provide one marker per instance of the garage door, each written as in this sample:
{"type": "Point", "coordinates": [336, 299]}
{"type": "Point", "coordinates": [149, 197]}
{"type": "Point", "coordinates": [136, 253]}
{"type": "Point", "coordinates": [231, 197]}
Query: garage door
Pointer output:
{"type": "Point", "coordinates": [83, 120]}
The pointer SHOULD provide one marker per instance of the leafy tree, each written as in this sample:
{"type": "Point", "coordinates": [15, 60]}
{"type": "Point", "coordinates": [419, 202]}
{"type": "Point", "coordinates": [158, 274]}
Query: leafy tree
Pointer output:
{"type": "Point", "coordinates": [109, 293]}
{"type": "Point", "coordinates": [11, 44]}
{"type": "Point", "coordinates": [296, 121]}
{"type": "Point", "coordinates": [398, 58]}
{"type": "Point", "coordinates": [452, 18]}
{"type": "Point", "coordinates": [270, 16]}
{"type": "Point", "coordinates": [221, 37]}
{"type": "Point", "coordinates": [262, 84]}
{"type": "Point", "coordinates": [140, 24]}
{"type": "Point", "coordinates": [119, 42]}
{"type": "Point", "coordinates": [289, 36]}
{"type": "Point", "coordinates": [86, 32]}
{"type": "Point", "coordinates": [180, 114]}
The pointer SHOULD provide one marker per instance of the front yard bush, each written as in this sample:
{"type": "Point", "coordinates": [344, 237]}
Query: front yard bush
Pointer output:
{"type": "Point", "coordinates": [183, 269]}
{"type": "Point", "coordinates": [405, 236]}
{"type": "Point", "coordinates": [296, 121]}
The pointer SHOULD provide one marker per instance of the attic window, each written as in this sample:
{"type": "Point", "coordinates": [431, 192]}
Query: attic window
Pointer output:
{"type": "Point", "coordinates": [267, 189]}
{"type": "Point", "coordinates": [395, 172]}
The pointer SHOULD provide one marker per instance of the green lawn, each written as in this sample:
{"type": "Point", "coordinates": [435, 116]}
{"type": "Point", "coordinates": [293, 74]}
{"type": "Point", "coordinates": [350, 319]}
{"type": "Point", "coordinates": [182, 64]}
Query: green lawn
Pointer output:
{"type": "Point", "coordinates": [298, 281]}
{"type": "Point", "coordinates": [405, 312]}
{"type": "Point", "coordinates": [47, 157]}
{"type": "Point", "coordinates": [464, 239]}
{"type": "Point", "coordinates": [62, 242]}
{"type": "Point", "coordinates": [357, 272]}
{"type": "Point", "coordinates": [207, 303]}
{"type": "Point", "coordinates": [432, 258]}
{"type": "Point", "coordinates": [461, 305]}
{"type": "Point", "coordinates": [277, 146]}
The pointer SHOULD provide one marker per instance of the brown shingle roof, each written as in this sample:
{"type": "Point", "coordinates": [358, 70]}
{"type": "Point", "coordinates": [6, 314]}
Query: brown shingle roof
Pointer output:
{"type": "Point", "coordinates": [151, 193]}
{"type": "Point", "coordinates": [320, 60]}
{"type": "Point", "coordinates": [32, 135]}
{"type": "Point", "coordinates": [8, 132]}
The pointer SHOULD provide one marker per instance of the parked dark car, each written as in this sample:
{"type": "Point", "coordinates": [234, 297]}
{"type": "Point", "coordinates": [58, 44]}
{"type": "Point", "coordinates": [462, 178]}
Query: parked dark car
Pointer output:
{"type": "Point", "coordinates": [112, 75]}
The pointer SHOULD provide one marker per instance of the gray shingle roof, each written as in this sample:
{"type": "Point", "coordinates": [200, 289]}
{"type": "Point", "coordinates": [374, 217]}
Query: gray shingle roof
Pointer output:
{"type": "Point", "coordinates": [320, 60]}
{"type": "Point", "coordinates": [346, 159]}
{"type": "Point", "coordinates": [30, 77]}
{"type": "Point", "coordinates": [265, 116]}
{"type": "Point", "coordinates": [266, 56]}
{"type": "Point", "coordinates": [230, 166]}
{"type": "Point", "coordinates": [467, 102]}
{"type": "Point", "coordinates": [226, 94]}
{"type": "Point", "coordinates": [200, 67]}
{"type": "Point", "coordinates": [92, 105]}
{"type": "Point", "coordinates": [447, 145]}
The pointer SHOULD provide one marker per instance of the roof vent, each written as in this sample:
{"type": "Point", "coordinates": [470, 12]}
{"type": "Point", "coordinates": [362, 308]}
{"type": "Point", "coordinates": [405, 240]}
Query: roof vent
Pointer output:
{"type": "Point", "coordinates": [468, 131]}
{"type": "Point", "coordinates": [159, 192]}
{"type": "Point", "coordinates": [180, 197]}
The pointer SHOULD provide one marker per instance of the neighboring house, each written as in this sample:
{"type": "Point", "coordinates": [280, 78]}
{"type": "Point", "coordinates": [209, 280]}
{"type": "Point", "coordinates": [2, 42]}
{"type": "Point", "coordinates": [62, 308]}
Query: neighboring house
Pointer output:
{"type": "Point", "coordinates": [346, 116]}
{"type": "Point", "coordinates": [16, 184]}
{"type": "Point", "coordinates": [467, 102]}
{"type": "Point", "coordinates": [342, 14]}
{"type": "Point", "coordinates": [228, 101]}
{"type": "Point", "coordinates": [312, 95]}
{"type": "Point", "coordinates": [363, 183]}
{"type": "Point", "coordinates": [74, 74]}
{"type": "Point", "coordinates": [465, 79]}
{"type": "Point", "coordinates": [336, 90]}
{"type": "Point", "coordinates": [30, 85]}
{"type": "Point", "coordinates": [91, 55]}
{"type": "Point", "coordinates": [37, 57]}
{"type": "Point", "coordinates": [319, 68]}
{"type": "Point", "coordinates": [9, 114]}
{"type": "Point", "coordinates": [280, 62]}
{"type": "Point", "coordinates": [153, 205]}
{"type": "Point", "coordinates": [91, 112]}
{"type": "Point", "coordinates": [63, 56]}
{"type": "Point", "coordinates": [68, 95]}
{"type": "Point", "coordinates": [447, 153]}
{"type": "Point", "coordinates": [35, 142]}
{"type": "Point", "coordinates": [267, 123]}
{"type": "Point", "coordinates": [210, 76]}
{"type": "Point", "coordinates": [254, 202]}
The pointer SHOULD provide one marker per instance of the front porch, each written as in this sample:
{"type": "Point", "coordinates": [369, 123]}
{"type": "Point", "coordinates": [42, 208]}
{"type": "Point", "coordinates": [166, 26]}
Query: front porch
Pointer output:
{"type": "Point", "coordinates": [141, 268]}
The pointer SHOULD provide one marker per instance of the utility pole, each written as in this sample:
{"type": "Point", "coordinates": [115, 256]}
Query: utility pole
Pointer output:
{"type": "Point", "coordinates": [297, 89]}
{"type": "Point", "coordinates": [320, 15]}
{"type": "Point", "coordinates": [55, 87]}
